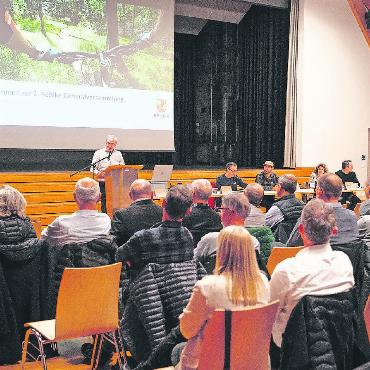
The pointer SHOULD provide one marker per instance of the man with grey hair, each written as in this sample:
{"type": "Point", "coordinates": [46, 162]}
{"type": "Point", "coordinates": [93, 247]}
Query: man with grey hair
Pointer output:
{"type": "Point", "coordinates": [142, 213]}
{"type": "Point", "coordinates": [202, 218]}
{"type": "Point", "coordinates": [85, 224]}
{"type": "Point", "coordinates": [329, 190]}
{"type": "Point", "coordinates": [102, 159]}
{"type": "Point", "coordinates": [254, 193]}
{"type": "Point", "coordinates": [283, 215]}
{"type": "Point", "coordinates": [315, 270]}
{"type": "Point", "coordinates": [235, 208]}
{"type": "Point", "coordinates": [365, 206]}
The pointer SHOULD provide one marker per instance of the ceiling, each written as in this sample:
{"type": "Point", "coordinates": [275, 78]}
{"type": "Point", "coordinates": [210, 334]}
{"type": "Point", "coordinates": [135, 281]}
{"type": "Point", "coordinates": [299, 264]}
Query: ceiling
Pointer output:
{"type": "Point", "coordinates": [192, 15]}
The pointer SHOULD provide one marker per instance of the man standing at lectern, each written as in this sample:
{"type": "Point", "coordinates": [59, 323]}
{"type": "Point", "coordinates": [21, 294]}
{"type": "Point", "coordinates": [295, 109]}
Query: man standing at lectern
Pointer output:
{"type": "Point", "coordinates": [102, 159]}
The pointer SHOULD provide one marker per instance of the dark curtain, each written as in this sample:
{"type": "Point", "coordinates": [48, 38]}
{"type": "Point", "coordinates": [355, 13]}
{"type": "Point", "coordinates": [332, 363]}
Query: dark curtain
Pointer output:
{"type": "Point", "coordinates": [230, 91]}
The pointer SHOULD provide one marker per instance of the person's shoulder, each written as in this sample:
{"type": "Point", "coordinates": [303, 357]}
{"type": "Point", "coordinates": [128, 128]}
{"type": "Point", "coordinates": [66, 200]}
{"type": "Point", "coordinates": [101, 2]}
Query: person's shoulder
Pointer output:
{"type": "Point", "coordinates": [339, 172]}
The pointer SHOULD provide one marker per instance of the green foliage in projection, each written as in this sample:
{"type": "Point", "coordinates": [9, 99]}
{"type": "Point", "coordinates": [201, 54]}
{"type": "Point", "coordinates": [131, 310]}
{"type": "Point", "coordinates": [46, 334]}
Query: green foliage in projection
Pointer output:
{"type": "Point", "coordinates": [71, 40]}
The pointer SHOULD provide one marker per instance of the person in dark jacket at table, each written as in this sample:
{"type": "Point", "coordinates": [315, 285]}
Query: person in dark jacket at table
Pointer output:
{"type": "Point", "coordinates": [230, 178]}
{"type": "Point", "coordinates": [268, 180]}
{"type": "Point", "coordinates": [141, 214]}
{"type": "Point", "coordinates": [347, 175]}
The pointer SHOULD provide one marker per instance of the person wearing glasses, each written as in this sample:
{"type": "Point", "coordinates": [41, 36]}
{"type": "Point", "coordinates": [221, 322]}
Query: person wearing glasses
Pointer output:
{"type": "Point", "coordinates": [230, 178]}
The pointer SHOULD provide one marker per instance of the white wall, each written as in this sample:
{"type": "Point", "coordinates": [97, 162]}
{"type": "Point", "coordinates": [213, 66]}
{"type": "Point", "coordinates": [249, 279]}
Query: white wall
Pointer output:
{"type": "Point", "coordinates": [333, 86]}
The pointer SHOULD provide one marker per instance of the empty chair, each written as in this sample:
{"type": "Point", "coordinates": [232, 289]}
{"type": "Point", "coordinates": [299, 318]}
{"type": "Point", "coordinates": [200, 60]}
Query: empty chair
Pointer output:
{"type": "Point", "coordinates": [279, 254]}
{"type": "Point", "coordinates": [238, 339]}
{"type": "Point", "coordinates": [87, 305]}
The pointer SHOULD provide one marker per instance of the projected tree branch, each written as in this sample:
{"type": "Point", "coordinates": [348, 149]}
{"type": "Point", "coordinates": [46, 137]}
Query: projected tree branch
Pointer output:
{"type": "Point", "coordinates": [102, 43]}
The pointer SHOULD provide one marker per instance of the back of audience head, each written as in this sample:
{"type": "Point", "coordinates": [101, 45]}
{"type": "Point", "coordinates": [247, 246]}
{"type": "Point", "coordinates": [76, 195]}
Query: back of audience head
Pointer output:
{"type": "Point", "coordinates": [202, 190]}
{"type": "Point", "coordinates": [236, 259]}
{"type": "Point", "coordinates": [367, 188]}
{"type": "Point", "coordinates": [177, 202]}
{"type": "Point", "coordinates": [254, 193]}
{"type": "Point", "coordinates": [329, 187]}
{"type": "Point", "coordinates": [12, 202]}
{"type": "Point", "coordinates": [235, 209]}
{"type": "Point", "coordinates": [87, 193]}
{"type": "Point", "coordinates": [141, 189]}
{"type": "Point", "coordinates": [317, 223]}
{"type": "Point", "coordinates": [287, 184]}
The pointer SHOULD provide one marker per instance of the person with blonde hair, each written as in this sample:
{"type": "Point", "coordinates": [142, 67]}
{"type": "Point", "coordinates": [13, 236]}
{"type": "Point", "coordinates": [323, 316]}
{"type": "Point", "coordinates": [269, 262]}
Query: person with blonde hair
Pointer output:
{"type": "Point", "coordinates": [237, 283]}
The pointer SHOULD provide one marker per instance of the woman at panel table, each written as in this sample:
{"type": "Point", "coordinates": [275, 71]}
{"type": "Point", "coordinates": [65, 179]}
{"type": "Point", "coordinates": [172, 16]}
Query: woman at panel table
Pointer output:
{"type": "Point", "coordinates": [319, 170]}
{"type": "Point", "coordinates": [237, 283]}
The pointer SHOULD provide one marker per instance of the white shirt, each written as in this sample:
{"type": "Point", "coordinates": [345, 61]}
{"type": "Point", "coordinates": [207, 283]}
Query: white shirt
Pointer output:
{"type": "Point", "coordinates": [80, 227]}
{"type": "Point", "coordinates": [315, 270]}
{"type": "Point", "coordinates": [115, 159]}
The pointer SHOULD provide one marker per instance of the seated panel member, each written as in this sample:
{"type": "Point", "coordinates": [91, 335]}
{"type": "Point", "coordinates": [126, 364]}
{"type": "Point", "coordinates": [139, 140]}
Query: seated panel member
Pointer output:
{"type": "Point", "coordinates": [268, 180]}
{"type": "Point", "coordinates": [230, 178]}
{"type": "Point", "coordinates": [315, 270]}
{"type": "Point", "coordinates": [84, 225]}
{"type": "Point", "coordinates": [348, 175]}
{"type": "Point", "coordinates": [142, 213]}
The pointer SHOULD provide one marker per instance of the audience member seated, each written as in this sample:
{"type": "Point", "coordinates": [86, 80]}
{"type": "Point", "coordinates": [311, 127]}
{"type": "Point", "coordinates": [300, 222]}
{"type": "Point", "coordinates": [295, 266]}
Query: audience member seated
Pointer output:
{"type": "Point", "coordinates": [21, 279]}
{"type": "Point", "coordinates": [143, 213]}
{"type": "Point", "coordinates": [237, 284]}
{"type": "Point", "coordinates": [235, 208]}
{"type": "Point", "coordinates": [230, 178]}
{"type": "Point", "coordinates": [254, 193]}
{"type": "Point", "coordinates": [202, 218]}
{"type": "Point", "coordinates": [283, 215]}
{"type": "Point", "coordinates": [315, 270]}
{"type": "Point", "coordinates": [365, 206]}
{"type": "Point", "coordinates": [319, 170]}
{"type": "Point", "coordinates": [329, 189]}
{"type": "Point", "coordinates": [84, 225]}
{"type": "Point", "coordinates": [268, 180]}
{"type": "Point", "coordinates": [168, 242]}
{"type": "Point", "coordinates": [348, 175]}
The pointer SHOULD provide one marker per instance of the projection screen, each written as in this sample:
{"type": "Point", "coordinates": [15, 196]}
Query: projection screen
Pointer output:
{"type": "Point", "coordinates": [72, 72]}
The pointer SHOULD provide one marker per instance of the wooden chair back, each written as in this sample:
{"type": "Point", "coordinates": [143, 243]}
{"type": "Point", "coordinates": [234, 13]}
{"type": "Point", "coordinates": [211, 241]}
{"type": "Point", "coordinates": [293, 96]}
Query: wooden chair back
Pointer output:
{"type": "Point", "coordinates": [279, 254]}
{"type": "Point", "coordinates": [367, 316]}
{"type": "Point", "coordinates": [37, 226]}
{"type": "Point", "coordinates": [87, 301]}
{"type": "Point", "coordinates": [249, 339]}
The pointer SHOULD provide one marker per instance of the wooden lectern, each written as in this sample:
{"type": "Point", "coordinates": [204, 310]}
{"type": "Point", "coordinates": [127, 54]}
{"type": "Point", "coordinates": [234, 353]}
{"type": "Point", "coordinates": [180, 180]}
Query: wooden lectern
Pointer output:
{"type": "Point", "coordinates": [118, 180]}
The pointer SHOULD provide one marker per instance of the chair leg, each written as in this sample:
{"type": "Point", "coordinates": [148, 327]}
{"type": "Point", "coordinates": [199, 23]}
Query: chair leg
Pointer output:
{"type": "Point", "coordinates": [25, 347]}
{"type": "Point", "coordinates": [120, 342]}
{"type": "Point", "coordinates": [118, 350]}
{"type": "Point", "coordinates": [96, 338]}
{"type": "Point", "coordinates": [99, 338]}
{"type": "Point", "coordinates": [41, 348]}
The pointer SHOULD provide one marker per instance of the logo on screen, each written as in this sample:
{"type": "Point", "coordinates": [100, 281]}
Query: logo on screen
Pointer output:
{"type": "Point", "coordinates": [161, 105]}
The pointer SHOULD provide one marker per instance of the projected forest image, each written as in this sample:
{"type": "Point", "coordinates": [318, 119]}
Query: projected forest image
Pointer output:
{"type": "Point", "coordinates": [107, 43]}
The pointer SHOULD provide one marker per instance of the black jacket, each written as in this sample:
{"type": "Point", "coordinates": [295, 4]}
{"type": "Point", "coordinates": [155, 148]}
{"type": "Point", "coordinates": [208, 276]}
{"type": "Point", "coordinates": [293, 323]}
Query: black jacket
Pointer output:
{"type": "Point", "coordinates": [140, 215]}
{"type": "Point", "coordinates": [98, 252]}
{"type": "Point", "coordinates": [152, 305]}
{"type": "Point", "coordinates": [23, 277]}
{"type": "Point", "coordinates": [201, 221]}
{"type": "Point", "coordinates": [291, 208]}
{"type": "Point", "coordinates": [320, 333]}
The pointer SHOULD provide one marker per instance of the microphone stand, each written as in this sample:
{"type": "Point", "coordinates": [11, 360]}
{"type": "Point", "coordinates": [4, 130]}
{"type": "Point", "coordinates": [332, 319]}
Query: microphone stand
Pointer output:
{"type": "Point", "coordinates": [93, 165]}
